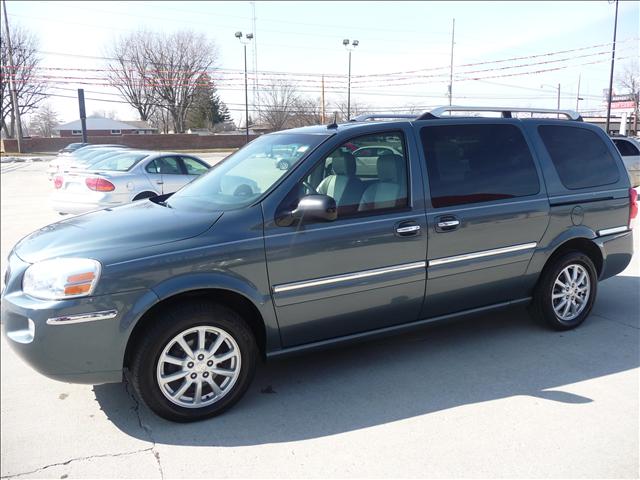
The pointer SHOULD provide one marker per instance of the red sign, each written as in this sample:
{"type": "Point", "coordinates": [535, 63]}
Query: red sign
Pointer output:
{"type": "Point", "coordinates": [620, 105]}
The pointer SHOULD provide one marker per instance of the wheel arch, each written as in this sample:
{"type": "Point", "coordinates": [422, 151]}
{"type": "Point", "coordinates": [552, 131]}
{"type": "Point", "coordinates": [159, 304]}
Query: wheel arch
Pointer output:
{"type": "Point", "coordinates": [230, 298]}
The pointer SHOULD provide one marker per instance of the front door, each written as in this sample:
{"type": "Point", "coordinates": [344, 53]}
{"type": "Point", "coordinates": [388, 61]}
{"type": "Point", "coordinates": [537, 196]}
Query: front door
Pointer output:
{"type": "Point", "coordinates": [365, 270]}
{"type": "Point", "coordinates": [489, 210]}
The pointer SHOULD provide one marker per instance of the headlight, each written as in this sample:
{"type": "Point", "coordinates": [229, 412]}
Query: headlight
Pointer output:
{"type": "Point", "coordinates": [61, 278]}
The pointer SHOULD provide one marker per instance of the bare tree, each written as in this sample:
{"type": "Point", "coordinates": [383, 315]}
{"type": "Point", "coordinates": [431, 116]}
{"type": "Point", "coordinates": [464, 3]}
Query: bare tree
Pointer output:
{"type": "Point", "coordinates": [154, 70]}
{"type": "Point", "coordinates": [278, 104]}
{"type": "Point", "coordinates": [128, 70]}
{"type": "Point", "coordinates": [357, 108]}
{"type": "Point", "coordinates": [30, 90]}
{"type": "Point", "coordinates": [44, 121]}
{"type": "Point", "coordinates": [111, 114]}
{"type": "Point", "coordinates": [629, 79]}
{"type": "Point", "coordinates": [307, 111]}
{"type": "Point", "coordinates": [160, 119]}
{"type": "Point", "coordinates": [177, 61]}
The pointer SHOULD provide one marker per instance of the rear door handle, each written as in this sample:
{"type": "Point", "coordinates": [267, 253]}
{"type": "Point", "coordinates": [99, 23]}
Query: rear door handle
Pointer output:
{"type": "Point", "coordinates": [407, 229]}
{"type": "Point", "coordinates": [447, 223]}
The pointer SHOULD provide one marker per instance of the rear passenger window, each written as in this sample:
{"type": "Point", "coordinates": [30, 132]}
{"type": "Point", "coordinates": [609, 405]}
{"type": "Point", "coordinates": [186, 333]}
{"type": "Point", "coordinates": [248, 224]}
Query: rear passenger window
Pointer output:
{"type": "Point", "coordinates": [477, 163]}
{"type": "Point", "coordinates": [581, 158]}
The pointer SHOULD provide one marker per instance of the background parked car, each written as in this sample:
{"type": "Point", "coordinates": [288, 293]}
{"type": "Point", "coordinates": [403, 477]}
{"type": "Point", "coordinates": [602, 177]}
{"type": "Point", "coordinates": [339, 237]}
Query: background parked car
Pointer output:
{"type": "Point", "coordinates": [72, 147]}
{"type": "Point", "coordinates": [629, 148]}
{"type": "Point", "coordinates": [61, 162]}
{"type": "Point", "coordinates": [122, 178]}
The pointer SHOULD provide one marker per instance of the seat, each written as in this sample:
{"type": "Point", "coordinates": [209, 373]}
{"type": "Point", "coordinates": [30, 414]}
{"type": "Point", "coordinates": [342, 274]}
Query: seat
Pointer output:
{"type": "Point", "coordinates": [391, 188]}
{"type": "Point", "coordinates": [343, 185]}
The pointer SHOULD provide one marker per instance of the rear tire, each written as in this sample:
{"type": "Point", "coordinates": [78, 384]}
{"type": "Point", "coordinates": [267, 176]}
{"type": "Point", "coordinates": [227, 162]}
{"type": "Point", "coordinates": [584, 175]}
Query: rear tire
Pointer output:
{"type": "Point", "coordinates": [566, 291]}
{"type": "Point", "coordinates": [209, 378]}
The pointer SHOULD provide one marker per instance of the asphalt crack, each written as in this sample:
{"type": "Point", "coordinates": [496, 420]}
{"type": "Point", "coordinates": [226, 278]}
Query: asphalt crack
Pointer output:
{"type": "Point", "coordinates": [78, 459]}
{"type": "Point", "coordinates": [146, 428]}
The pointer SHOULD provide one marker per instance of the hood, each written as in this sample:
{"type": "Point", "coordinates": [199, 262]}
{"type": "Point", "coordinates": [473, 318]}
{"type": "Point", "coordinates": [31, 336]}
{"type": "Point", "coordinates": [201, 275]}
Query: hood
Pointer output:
{"type": "Point", "coordinates": [122, 229]}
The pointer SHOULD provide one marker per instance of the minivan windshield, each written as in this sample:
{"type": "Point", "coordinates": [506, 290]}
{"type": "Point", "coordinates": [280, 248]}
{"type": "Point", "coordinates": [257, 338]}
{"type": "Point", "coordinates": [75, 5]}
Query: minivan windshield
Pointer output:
{"type": "Point", "coordinates": [247, 174]}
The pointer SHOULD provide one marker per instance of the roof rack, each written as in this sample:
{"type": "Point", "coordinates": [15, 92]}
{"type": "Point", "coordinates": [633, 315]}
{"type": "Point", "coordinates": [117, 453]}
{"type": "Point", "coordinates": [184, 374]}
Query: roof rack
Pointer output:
{"type": "Point", "coordinates": [366, 116]}
{"type": "Point", "coordinates": [505, 111]}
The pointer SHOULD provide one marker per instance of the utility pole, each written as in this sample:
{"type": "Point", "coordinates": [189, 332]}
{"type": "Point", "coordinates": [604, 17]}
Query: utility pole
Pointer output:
{"type": "Point", "coordinates": [558, 116]}
{"type": "Point", "coordinates": [578, 94]}
{"type": "Point", "coordinates": [12, 82]}
{"type": "Point", "coordinates": [83, 114]}
{"type": "Point", "coordinates": [613, 59]}
{"type": "Point", "coordinates": [453, 33]}
{"type": "Point", "coordinates": [322, 101]}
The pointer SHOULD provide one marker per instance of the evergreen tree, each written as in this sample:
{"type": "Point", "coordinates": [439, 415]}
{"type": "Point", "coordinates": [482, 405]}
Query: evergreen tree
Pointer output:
{"type": "Point", "coordinates": [206, 109]}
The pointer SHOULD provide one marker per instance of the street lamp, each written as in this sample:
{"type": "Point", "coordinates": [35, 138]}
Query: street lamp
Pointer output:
{"type": "Point", "coordinates": [247, 38]}
{"type": "Point", "coordinates": [350, 48]}
{"type": "Point", "coordinates": [558, 88]}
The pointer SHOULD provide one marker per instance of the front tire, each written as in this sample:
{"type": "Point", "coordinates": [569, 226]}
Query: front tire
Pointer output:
{"type": "Point", "coordinates": [195, 361]}
{"type": "Point", "coordinates": [566, 291]}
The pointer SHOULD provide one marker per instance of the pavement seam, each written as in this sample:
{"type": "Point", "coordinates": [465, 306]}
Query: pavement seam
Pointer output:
{"type": "Point", "coordinates": [615, 321]}
{"type": "Point", "coordinates": [60, 464]}
{"type": "Point", "coordinates": [145, 427]}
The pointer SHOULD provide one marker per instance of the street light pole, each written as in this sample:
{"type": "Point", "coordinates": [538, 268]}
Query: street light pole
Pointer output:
{"type": "Point", "coordinates": [613, 59]}
{"type": "Point", "coordinates": [349, 48]}
{"type": "Point", "coordinates": [248, 37]}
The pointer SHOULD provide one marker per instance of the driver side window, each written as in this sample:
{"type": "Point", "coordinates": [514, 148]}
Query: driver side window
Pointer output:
{"type": "Point", "coordinates": [365, 175]}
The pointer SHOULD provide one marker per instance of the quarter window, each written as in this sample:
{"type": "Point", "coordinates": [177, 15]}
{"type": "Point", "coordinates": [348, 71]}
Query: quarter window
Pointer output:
{"type": "Point", "coordinates": [477, 163]}
{"type": "Point", "coordinates": [580, 157]}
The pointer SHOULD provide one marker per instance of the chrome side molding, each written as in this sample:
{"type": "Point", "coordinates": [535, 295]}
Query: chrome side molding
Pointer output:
{"type": "Point", "coordinates": [83, 317]}
{"type": "Point", "coordinates": [611, 231]}
{"type": "Point", "coordinates": [347, 277]}
{"type": "Point", "coordinates": [483, 253]}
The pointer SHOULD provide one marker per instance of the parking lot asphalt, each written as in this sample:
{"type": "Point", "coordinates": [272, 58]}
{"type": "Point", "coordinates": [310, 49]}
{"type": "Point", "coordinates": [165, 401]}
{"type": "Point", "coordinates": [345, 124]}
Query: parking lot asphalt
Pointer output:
{"type": "Point", "coordinates": [489, 396]}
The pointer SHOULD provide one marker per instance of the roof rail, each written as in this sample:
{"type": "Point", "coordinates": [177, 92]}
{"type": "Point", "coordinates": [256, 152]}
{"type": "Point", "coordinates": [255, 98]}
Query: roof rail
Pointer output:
{"type": "Point", "coordinates": [505, 111]}
{"type": "Point", "coordinates": [371, 116]}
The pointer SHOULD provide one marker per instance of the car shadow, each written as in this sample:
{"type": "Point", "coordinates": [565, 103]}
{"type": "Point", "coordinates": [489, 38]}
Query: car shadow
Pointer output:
{"type": "Point", "coordinates": [439, 367]}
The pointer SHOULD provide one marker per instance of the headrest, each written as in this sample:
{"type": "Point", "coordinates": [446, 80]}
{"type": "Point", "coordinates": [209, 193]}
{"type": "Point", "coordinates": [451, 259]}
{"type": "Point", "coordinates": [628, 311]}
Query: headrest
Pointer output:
{"type": "Point", "coordinates": [390, 167]}
{"type": "Point", "coordinates": [344, 164]}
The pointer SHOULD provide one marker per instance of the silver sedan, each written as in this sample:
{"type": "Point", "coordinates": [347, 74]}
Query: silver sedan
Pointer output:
{"type": "Point", "coordinates": [122, 178]}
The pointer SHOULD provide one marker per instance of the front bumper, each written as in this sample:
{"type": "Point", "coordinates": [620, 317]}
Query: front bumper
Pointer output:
{"type": "Point", "coordinates": [78, 352]}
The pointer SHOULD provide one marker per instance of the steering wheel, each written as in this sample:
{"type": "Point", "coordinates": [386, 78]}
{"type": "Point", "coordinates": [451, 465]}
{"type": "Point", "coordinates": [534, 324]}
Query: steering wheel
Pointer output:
{"type": "Point", "coordinates": [310, 188]}
{"type": "Point", "coordinates": [243, 190]}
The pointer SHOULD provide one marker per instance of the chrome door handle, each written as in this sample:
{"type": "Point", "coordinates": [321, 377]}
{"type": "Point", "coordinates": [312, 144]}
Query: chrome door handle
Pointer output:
{"type": "Point", "coordinates": [409, 229]}
{"type": "Point", "coordinates": [449, 223]}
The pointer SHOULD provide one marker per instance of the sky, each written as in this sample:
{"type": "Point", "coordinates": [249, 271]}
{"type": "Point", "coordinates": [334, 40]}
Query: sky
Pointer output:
{"type": "Point", "coordinates": [412, 40]}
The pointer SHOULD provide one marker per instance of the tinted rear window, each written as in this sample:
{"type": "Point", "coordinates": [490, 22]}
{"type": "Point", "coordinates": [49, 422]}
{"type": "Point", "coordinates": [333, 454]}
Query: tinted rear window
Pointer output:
{"type": "Point", "coordinates": [580, 156]}
{"type": "Point", "coordinates": [477, 163]}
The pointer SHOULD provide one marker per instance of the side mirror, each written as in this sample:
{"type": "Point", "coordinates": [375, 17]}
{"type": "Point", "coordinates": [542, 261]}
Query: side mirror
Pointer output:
{"type": "Point", "coordinates": [311, 208]}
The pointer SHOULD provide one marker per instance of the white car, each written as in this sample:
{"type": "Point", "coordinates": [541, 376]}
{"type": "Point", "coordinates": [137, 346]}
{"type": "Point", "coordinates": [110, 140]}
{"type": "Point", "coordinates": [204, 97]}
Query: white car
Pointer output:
{"type": "Point", "coordinates": [629, 148]}
{"type": "Point", "coordinates": [65, 159]}
{"type": "Point", "coordinates": [123, 178]}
